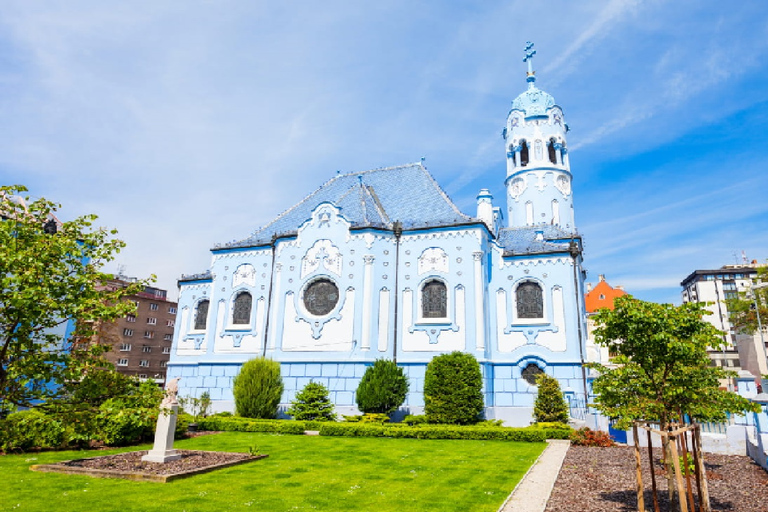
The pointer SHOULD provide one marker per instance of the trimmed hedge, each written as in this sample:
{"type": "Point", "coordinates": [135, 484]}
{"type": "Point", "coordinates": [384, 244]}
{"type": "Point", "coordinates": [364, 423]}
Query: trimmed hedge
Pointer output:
{"type": "Point", "coordinates": [395, 430]}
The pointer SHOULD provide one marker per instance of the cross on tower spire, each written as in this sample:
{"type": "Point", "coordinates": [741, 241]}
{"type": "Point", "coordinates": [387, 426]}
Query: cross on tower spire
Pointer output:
{"type": "Point", "coordinates": [529, 53]}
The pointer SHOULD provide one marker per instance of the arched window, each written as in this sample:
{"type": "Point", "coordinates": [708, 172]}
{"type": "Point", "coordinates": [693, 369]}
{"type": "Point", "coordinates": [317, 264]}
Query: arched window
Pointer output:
{"type": "Point", "coordinates": [530, 301]}
{"type": "Point", "coordinates": [555, 212]}
{"type": "Point", "coordinates": [241, 309]}
{"type": "Point", "coordinates": [531, 372]}
{"type": "Point", "coordinates": [552, 152]}
{"type": "Point", "coordinates": [434, 300]}
{"type": "Point", "coordinates": [524, 157]}
{"type": "Point", "coordinates": [201, 317]}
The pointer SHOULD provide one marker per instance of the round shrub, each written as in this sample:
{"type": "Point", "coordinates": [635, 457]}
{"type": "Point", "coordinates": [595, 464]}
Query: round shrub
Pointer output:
{"type": "Point", "coordinates": [257, 388]}
{"type": "Point", "coordinates": [453, 389]}
{"type": "Point", "coordinates": [312, 404]}
{"type": "Point", "coordinates": [382, 389]}
{"type": "Point", "coordinates": [27, 430]}
{"type": "Point", "coordinates": [550, 406]}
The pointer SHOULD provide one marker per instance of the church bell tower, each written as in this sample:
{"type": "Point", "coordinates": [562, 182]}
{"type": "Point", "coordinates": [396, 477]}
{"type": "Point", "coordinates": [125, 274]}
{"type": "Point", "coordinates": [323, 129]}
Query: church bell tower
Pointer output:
{"type": "Point", "coordinates": [538, 179]}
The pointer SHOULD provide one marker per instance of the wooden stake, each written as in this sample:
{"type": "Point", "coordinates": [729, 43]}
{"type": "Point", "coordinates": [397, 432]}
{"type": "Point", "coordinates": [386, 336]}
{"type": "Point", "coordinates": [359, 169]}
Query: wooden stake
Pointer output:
{"type": "Point", "coordinates": [653, 474]}
{"type": "Point", "coordinates": [684, 449]}
{"type": "Point", "coordinates": [679, 478]}
{"type": "Point", "coordinates": [640, 498]}
{"type": "Point", "coordinates": [704, 497]}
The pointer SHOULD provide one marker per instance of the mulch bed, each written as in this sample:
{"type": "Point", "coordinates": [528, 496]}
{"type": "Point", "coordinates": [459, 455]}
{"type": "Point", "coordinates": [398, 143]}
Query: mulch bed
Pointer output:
{"type": "Point", "coordinates": [603, 480]}
{"type": "Point", "coordinates": [130, 466]}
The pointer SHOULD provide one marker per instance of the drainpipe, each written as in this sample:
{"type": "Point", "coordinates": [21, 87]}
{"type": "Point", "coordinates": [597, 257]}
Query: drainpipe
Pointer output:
{"type": "Point", "coordinates": [269, 297]}
{"type": "Point", "coordinates": [397, 229]}
{"type": "Point", "coordinates": [575, 251]}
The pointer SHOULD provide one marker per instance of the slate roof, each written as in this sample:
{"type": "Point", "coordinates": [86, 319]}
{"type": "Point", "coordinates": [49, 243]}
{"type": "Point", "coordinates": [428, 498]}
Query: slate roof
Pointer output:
{"type": "Point", "coordinates": [375, 198]}
{"type": "Point", "coordinates": [526, 240]}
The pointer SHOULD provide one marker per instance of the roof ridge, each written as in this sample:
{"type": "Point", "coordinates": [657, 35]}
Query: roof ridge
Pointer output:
{"type": "Point", "coordinates": [380, 207]}
{"type": "Point", "coordinates": [443, 193]}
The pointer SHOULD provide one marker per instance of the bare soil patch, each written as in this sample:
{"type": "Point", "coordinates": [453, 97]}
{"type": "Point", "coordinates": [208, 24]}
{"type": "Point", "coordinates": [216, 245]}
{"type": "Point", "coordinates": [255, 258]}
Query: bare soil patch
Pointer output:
{"type": "Point", "coordinates": [603, 480]}
{"type": "Point", "coordinates": [130, 466]}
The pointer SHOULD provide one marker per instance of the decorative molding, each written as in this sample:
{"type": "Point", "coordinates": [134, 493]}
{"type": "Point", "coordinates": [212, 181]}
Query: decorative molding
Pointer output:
{"type": "Point", "coordinates": [433, 259]}
{"type": "Point", "coordinates": [244, 274]}
{"type": "Point", "coordinates": [322, 253]}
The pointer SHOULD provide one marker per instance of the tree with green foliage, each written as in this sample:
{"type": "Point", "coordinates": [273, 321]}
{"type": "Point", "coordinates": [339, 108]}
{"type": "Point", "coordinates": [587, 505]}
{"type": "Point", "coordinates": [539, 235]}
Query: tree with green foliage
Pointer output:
{"type": "Point", "coordinates": [257, 388]}
{"type": "Point", "coordinates": [312, 404]}
{"type": "Point", "coordinates": [550, 405]}
{"type": "Point", "coordinates": [743, 310]}
{"type": "Point", "coordinates": [662, 370]}
{"type": "Point", "coordinates": [453, 389]}
{"type": "Point", "coordinates": [50, 277]}
{"type": "Point", "coordinates": [382, 388]}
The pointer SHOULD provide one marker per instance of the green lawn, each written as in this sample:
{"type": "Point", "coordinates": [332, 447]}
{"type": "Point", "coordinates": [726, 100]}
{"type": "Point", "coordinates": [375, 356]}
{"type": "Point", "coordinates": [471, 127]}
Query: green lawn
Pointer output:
{"type": "Point", "coordinates": [301, 473]}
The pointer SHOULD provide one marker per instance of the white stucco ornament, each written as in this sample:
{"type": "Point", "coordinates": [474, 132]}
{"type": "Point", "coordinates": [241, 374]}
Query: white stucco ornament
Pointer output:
{"type": "Point", "coordinates": [322, 254]}
{"type": "Point", "coordinates": [563, 184]}
{"type": "Point", "coordinates": [433, 259]}
{"type": "Point", "coordinates": [245, 274]}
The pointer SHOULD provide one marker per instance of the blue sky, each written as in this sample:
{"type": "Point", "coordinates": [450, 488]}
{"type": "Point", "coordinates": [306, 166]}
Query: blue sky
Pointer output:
{"type": "Point", "coordinates": [188, 123]}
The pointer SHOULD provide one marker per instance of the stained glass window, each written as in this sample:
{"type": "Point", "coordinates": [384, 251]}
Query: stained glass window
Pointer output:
{"type": "Point", "coordinates": [530, 302]}
{"type": "Point", "coordinates": [530, 372]}
{"type": "Point", "coordinates": [202, 315]}
{"type": "Point", "coordinates": [434, 299]}
{"type": "Point", "coordinates": [321, 297]}
{"type": "Point", "coordinates": [241, 311]}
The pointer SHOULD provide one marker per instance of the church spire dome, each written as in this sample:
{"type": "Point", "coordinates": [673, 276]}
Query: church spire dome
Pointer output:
{"type": "Point", "coordinates": [538, 168]}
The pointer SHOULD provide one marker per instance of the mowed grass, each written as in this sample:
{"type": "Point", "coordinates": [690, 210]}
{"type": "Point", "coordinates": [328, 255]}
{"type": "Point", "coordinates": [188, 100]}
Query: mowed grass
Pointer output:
{"type": "Point", "coordinates": [301, 473]}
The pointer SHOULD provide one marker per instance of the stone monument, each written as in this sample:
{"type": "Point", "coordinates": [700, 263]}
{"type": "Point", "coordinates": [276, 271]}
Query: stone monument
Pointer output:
{"type": "Point", "coordinates": [163, 450]}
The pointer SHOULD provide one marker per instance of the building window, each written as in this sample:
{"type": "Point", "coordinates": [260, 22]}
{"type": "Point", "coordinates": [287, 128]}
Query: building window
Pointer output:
{"type": "Point", "coordinates": [531, 372]}
{"type": "Point", "coordinates": [524, 155]}
{"type": "Point", "coordinates": [144, 363]}
{"type": "Point", "coordinates": [130, 318]}
{"type": "Point", "coordinates": [153, 306]}
{"type": "Point", "coordinates": [172, 310]}
{"type": "Point", "coordinates": [127, 332]}
{"type": "Point", "coordinates": [142, 375]}
{"type": "Point", "coordinates": [241, 313]}
{"type": "Point", "coordinates": [152, 321]}
{"type": "Point", "coordinates": [551, 151]}
{"type": "Point", "coordinates": [145, 349]}
{"type": "Point", "coordinates": [170, 323]}
{"type": "Point", "coordinates": [321, 297]}
{"type": "Point", "coordinates": [434, 300]}
{"type": "Point", "coordinates": [163, 364]}
{"type": "Point", "coordinates": [166, 350]}
{"type": "Point", "coordinates": [530, 301]}
{"type": "Point", "coordinates": [122, 362]}
{"type": "Point", "coordinates": [125, 347]}
{"type": "Point", "coordinates": [167, 337]}
{"type": "Point", "coordinates": [149, 334]}
{"type": "Point", "coordinates": [202, 315]}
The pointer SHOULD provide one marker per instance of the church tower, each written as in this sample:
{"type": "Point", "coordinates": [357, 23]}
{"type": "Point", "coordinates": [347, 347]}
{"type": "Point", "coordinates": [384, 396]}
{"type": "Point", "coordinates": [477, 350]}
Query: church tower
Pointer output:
{"type": "Point", "coordinates": [538, 171]}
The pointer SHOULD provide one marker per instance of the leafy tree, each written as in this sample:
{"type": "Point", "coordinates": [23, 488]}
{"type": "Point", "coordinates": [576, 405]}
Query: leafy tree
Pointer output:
{"type": "Point", "coordinates": [550, 405]}
{"type": "Point", "coordinates": [453, 389]}
{"type": "Point", "coordinates": [257, 388]}
{"type": "Point", "coordinates": [662, 367]}
{"type": "Point", "coordinates": [50, 275]}
{"type": "Point", "coordinates": [382, 388]}
{"type": "Point", "coordinates": [743, 310]}
{"type": "Point", "coordinates": [312, 403]}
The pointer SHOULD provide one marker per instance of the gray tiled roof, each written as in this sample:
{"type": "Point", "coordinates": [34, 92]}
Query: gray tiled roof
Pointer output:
{"type": "Point", "coordinates": [525, 240]}
{"type": "Point", "coordinates": [376, 198]}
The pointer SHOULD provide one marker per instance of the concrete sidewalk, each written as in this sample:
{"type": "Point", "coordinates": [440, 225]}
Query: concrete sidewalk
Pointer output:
{"type": "Point", "coordinates": [532, 493]}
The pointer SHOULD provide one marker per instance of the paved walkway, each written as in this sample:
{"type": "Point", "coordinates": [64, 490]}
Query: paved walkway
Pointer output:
{"type": "Point", "coordinates": [532, 493]}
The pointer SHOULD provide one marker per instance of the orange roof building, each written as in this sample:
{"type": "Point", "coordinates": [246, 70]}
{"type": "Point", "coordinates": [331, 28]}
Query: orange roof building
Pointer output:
{"type": "Point", "coordinates": [601, 296]}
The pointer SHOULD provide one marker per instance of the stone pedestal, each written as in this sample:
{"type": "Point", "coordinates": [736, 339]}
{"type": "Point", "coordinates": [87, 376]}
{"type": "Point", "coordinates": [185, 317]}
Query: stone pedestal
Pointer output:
{"type": "Point", "coordinates": [163, 450]}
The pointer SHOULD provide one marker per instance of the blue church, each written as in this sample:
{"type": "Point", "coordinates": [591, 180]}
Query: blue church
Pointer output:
{"type": "Point", "coordinates": [382, 264]}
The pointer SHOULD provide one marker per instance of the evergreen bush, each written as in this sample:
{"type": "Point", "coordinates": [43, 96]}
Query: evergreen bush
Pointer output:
{"type": "Point", "coordinates": [550, 405]}
{"type": "Point", "coordinates": [453, 389]}
{"type": "Point", "coordinates": [31, 429]}
{"type": "Point", "coordinates": [312, 403]}
{"type": "Point", "coordinates": [257, 388]}
{"type": "Point", "coordinates": [383, 388]}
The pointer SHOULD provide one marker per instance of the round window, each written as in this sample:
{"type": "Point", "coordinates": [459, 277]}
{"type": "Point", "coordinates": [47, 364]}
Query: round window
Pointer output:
{"type": "Point", "coordinates": [530, 372]}
{"type": "Point", "coordinates": [321, 297]}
